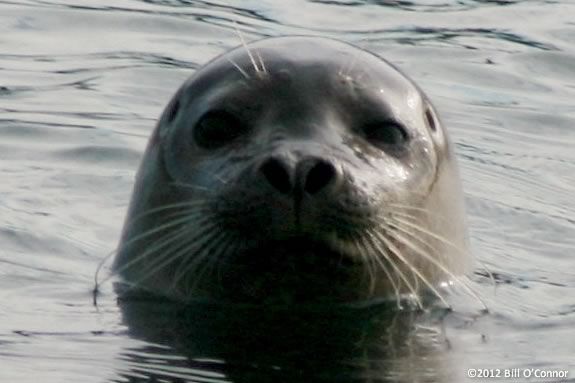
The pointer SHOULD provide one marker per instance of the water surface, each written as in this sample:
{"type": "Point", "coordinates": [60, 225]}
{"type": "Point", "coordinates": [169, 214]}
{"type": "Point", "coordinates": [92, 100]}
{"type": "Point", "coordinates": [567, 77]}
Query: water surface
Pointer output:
{"type": "Point", "coordinates": [81, 85]}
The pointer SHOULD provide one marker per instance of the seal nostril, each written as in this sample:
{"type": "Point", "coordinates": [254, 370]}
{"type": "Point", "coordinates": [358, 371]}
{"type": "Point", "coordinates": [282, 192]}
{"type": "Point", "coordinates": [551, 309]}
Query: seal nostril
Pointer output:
{"type": "Point", "coordinates": [276, 173]}
{"type": "Point", "coordinates": [319, 176]}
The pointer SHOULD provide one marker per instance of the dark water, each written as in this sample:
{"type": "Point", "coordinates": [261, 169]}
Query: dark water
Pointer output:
{"type": "Point", "coordinates": [81, 85]}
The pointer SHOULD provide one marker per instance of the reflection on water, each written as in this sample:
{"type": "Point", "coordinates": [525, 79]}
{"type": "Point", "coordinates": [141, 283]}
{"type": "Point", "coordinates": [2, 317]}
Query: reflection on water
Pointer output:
{"type": "Point", "coordinates": [256, 345]}
{"type": "Point", "coordinates": [81, 85]}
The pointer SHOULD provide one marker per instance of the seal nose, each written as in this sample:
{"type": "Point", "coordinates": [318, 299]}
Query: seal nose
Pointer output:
{"type": "Point", "coordinates": [310, 176]}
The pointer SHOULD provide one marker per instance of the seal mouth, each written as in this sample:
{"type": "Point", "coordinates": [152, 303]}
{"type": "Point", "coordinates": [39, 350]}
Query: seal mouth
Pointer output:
{"type": "Point", "coordinates": [297, 254]}
{"type": "Point", "coordinates": [294, 270]}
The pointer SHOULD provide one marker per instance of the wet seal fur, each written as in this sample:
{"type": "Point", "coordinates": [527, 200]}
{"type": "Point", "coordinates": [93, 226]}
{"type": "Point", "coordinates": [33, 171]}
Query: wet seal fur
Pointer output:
{"type": "Point", "coordinates": [295, 170]}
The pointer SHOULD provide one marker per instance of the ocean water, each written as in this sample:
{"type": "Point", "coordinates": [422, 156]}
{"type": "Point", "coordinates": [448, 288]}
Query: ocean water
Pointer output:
{"type": "Point", "coordinates": [81, 86]}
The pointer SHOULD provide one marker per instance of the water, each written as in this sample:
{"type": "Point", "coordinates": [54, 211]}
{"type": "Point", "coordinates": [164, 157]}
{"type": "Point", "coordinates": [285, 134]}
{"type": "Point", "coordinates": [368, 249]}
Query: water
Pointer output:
{"type": "Point", "coordinates": [81, 85]}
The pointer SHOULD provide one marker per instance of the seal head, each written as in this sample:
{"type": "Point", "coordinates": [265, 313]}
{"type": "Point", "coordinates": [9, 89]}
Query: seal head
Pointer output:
{"type": "Point", "coordinates": [296, 169]}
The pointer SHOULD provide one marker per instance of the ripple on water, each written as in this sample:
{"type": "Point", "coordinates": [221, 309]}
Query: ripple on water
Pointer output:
{"type": "Point", "coordinates": [81, 85]}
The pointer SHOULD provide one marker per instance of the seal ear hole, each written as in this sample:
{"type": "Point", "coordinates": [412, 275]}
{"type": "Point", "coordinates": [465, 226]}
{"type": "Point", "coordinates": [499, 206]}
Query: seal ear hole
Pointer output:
{"type": "Point", "coordinates": [173, 111]}
{"type": "Point", "coordinates": [430, 119]}
{"type": "Point", "coordinates": [388, 134]}
{"type": "Point", "coordinates": [217, 128]}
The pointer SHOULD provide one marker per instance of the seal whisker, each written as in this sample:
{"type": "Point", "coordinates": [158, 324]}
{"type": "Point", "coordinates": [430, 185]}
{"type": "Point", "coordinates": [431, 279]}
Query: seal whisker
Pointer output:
{"type": "Point", "coordinates": [210, 258]}
{"type": "Point", "coordinates": [415, 219]}
{"type": "Point", "coordinates": [434, 261]}
{"type": "Point", "coordinates": [168, 257]}
{"type": "Point", "coordinates": [376, 258]}
{"type": "Point", "coordinates": [247, 49]}
{"type": "Point", "coordinates": [220, 178]}
{"type": "Point", "coordinates": [227, 243]}
{"type": "Point", "coordinates": [411, 208]}
{"type": "Point", "coordinates": [261, 60]}
{"type": "Point", "coordinates": [368, 261]}
{"type": "Point", "coordinates": [412, 224]}
{"type": "Point", "coordinates": [201, 250]}
{"type": "Point", "coordinates": [489, 274]}
{"type": "Point", "coordinates": [453, 277]}
{"type": "Point", "coordinates": [190, 186]}
{"type": "Point", "coordinates": [197, 204]}
{"type": "Point", "coordinates": [346, 69]}
{"type": "Point", "coordinates": [124, 245]}
{"type": "Point", "coordinates": [239, 68]}
{"type": "Point", "coordinates": [397, 225]}
{"type": "Point", "coordinates": [427, 232]}
{"type": "Point", "coordinates": [357, 79]}
{"type": "Point", "coordinates": [159, 244]}
{"type": "Point", "coordinates": [157, 263]}
{"type": "Point", "coordinates": [164, 240]}
{"type": "Point", "coordinates": [182, 216]}
{"type": "Point", "coordinates": [397, 253]}
{"type": "Point", "coordinates": [101, 264]}
{"type": "Point", "coordinates": [414, 213]}
{"type": "Point", "coordinates": [228, 248]}
{"type": "Point", "coordinates": [400, 231]}
{"type": "Point", "coordinates": [400, 273]}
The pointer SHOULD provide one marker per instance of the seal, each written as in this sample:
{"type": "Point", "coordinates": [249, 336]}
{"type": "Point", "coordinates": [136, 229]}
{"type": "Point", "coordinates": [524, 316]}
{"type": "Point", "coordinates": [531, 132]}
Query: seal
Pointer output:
{"type": "Point", "coordinates": [295, 170]}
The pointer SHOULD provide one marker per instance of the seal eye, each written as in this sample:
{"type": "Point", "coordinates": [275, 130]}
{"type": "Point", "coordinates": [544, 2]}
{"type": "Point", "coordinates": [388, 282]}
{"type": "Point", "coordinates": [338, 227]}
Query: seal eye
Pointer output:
{"type": "Point", "coordinates": [217, 128]}
{"type": "Point", "coordinates": [386, 133]}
